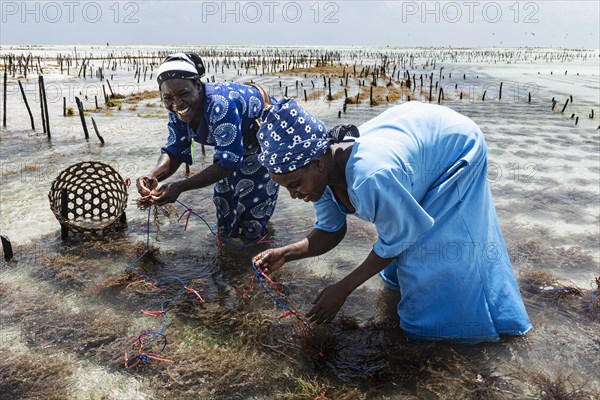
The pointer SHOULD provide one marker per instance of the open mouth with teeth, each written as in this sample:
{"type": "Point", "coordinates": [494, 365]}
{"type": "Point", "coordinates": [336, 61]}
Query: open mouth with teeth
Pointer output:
{"type": "Point", "coordinates": [184, 113]}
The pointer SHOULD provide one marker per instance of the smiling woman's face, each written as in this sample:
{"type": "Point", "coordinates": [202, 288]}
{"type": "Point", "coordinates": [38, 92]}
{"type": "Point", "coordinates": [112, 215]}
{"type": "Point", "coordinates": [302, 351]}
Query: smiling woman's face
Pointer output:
{"type": "Point", "coordinates": [307, 183]}
{"type": "Point", "coordinates": [182, 97]}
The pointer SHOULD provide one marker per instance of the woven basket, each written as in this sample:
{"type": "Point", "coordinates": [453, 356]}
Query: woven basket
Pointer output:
{"type": "Point", "coordinates": [96, 197]}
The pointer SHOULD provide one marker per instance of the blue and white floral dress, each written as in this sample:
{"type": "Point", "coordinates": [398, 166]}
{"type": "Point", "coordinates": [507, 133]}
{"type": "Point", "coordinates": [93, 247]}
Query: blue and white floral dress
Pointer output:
{"type": "Point", "coordinates": [246, 199]}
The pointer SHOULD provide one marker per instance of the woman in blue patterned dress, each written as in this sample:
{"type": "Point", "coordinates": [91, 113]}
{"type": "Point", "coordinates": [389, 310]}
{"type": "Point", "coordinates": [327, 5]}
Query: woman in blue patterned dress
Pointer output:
{"type": "Point", "coordinates": [222, 115]}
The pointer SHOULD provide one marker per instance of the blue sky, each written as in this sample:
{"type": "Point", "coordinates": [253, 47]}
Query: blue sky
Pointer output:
{"type": "Point", "coordinates": [572, 24]}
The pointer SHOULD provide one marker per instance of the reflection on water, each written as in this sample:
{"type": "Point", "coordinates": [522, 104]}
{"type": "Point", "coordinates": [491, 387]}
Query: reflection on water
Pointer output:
{"type": "Point", "coordinates": [71, 309]}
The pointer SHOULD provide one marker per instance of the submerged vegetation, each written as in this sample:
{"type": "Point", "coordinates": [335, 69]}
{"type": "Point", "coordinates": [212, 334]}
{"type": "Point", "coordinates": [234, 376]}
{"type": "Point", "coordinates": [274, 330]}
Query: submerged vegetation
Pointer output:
{"type": "Point", "coordinates": [233, 347]}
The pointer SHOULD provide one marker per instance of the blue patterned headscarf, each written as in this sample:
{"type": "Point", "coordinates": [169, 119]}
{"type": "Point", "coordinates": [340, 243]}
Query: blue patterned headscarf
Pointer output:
{"type": "Point", "coordinates": [289, 137]}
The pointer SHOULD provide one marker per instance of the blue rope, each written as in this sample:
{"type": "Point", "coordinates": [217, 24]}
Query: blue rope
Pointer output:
{"type": "Point", "coordinates": [148, 231]}
{"type": "Point", "coordinates": [137, 271]}
{"type": "Point", "coordinates": [224, 239]}
{"type": "Point", "coordinates": [212, 231]}
{"type": "Point", "coordinates": [132, 265]}
{"type": "Point", "coordinates": [259, 273]}
{"type": "Point", "coordinates": [159, 333]}
{"type": "Point", "coordinates": [156, 335]}
{"type": "Point", "coordinates": [593, 302]}
{"type": "Point", "coordinates": [355, 367]}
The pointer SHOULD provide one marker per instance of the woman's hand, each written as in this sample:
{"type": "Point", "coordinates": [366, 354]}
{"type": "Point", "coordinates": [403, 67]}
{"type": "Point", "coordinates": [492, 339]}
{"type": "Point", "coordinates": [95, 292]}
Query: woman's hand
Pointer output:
{"type": "Point", "coordinates": [165, 194]}
{"type": "Point", "coordinates": [270, 260]}
{"type": "Point", "coordinates": [146, 184]}
{"type": "Point", "coordinates": [332, 298]}
{"type": "Point", "coordinates": [327, 304]}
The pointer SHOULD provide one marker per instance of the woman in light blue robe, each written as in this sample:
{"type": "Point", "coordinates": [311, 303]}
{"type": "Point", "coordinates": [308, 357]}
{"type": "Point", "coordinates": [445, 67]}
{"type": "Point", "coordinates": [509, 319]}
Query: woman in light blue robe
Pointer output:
{"type": "Point", "coordinates": [418, 172]}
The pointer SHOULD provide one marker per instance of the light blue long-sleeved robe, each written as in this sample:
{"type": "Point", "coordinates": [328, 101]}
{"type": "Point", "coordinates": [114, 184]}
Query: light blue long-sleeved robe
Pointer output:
{"type": "Point", "coordinates": [418, 172]}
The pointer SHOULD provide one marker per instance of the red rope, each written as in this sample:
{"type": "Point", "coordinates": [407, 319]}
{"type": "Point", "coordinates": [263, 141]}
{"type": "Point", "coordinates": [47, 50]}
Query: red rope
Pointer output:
{"type": "Point", "coordinates": [247, 292]}
{"type": "Point", "coordinates": [219, 243]}
{"type": "Point", "coordinates": [322, 396]}
{"type": "Point", "coordinates": [264, 240]}
{"type": "Point", "coordinates": [189, 289]}
{"type": "Point", "coordinates": [141, 355]}
{"type": "Point", "coordinates": [187, 219]}
{"type": "Point", "coordinates": [158, 358]}
{"type": "Point", "coordinates": [260, 274]}
{"type": "Point", "coordinates": [153, 313]}
{"type": "Point", "coordinates": [302, 231]}
{"type": "Point", "coordinates": [270, 282]}
{"type": "Point", "coordinates": [286, 314]}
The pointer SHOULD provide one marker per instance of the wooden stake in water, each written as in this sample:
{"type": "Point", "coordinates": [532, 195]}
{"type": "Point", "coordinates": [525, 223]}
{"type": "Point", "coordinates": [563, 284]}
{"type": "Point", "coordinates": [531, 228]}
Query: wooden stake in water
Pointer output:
{"type": "Point", "coordinates": [112, 95]}
{"type": "Point", "coordinates": [97, 133]}
{"type": "Point", "coordinates": [27, 105]}
{"type": "Point", "coordinates": [430, 87]}
{"type": "Point", "coordinates": [4, 99]}
{"type": "Point", "coordinates": [7, 249]}
{"type": "Point", "coordinates": [42, 103]}
{"type": "Point", "coordinates": [45, 100]}
{"type": "Point", "coordinates": [82, 117]}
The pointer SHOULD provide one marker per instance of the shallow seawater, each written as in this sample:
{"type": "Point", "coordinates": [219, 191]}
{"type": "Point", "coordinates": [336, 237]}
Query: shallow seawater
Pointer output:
{"type": "Point", "coordinates": [71, 309]}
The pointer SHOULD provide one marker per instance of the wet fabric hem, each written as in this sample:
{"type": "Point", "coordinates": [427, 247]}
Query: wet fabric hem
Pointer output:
{"type": "Point", "coordinates": [465, 340]}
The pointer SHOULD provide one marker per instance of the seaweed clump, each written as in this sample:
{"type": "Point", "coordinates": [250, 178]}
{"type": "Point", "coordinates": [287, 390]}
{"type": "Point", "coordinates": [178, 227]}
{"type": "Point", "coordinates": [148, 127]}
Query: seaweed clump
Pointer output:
{"type": "Point", "coordinates": [168, 211]}
{"type": "Point", "coordinates": [33, 376]}
{"type": "Point", "coordinates": [319, 389]}
{"type": "Point", "coordinates": [547, 285]}
{"type": "Point", "coordinates": [561, 387]}
{"type": "Point", "coordinates": [147, 254]}
{"type": "Point", "coordinates": [69, 270]}
{"type": "Point", "coordinates": [215, 373]}
{"type": "Point", "coordinates": [457, 377]}
{"type": "Point", "coordinates": [318, 345]}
